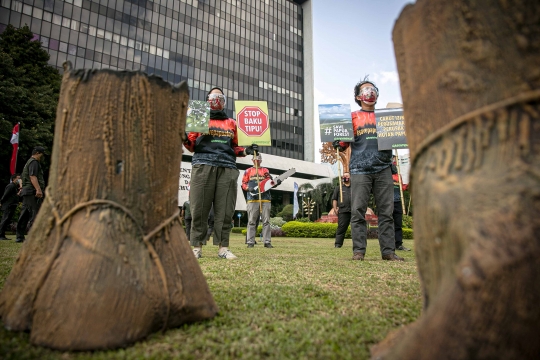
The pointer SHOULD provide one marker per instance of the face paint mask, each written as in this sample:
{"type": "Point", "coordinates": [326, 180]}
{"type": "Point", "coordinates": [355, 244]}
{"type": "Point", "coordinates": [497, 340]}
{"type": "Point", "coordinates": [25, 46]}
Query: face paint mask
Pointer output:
{"type": "Point", "coordinates": [368, 94]}
{"type": "Point", "coordinates": [217, 101]}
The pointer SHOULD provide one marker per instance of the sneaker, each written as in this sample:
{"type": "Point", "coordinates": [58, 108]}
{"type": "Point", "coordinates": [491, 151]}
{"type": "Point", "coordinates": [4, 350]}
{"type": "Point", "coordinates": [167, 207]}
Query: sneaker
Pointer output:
{"type": "Point", "coordinates": [19, 240]}
{"type": "Point", "coordinates": [197, 252]}
{"type": "Point", "coordinates": [251, 245]}
{"type": "Point", "coordinates": [358, 256]}
{"type": "Point", "coordinates": [226, 254]}
{"type": "Point", "coordinates": [268, 246]}
{"type": "Point", "coordinates": [403, 248]}
{"type": "Point", "coordinates": [337, 246]}
{"type": "Point", "coordinates": [3, 238]}
{"type": "Point", "coordinates": [392, 257]}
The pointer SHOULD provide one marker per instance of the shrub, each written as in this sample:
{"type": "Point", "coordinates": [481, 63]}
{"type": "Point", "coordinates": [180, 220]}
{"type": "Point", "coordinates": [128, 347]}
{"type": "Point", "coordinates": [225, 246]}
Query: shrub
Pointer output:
{"type": "Point", "coordinates": [278, 233]}
{"type": "Point", "coordinates": [303, 220]}
{"type": "Point", "coordinates": [407, 233]}
{"type": "Point", "coordinates": [277, 221]}
{"type": "Point", "coordinates": [237, 230]}
{"type": "Point", "coordinates": [312, 230]}
{"type": "Point", "coordinates": [286, 213]}
{"type": "Point", "coordinates": [407, 222]}
{"type": "Point", "coordinates": [372, 232]}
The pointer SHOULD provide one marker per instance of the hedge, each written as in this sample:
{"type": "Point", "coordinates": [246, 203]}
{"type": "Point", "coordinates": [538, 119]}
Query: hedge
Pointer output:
{"type": "Point", "coordinates": [321, 230]}
{"type": "Point", "coordinates": [312, 230]}
{"type": "Point", "coordinates": [238, 230]}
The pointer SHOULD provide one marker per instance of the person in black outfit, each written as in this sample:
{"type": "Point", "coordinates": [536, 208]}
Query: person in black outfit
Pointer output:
{"type": "Point", "coordinates": [33, 186]}
{"type": "Point", "coordinates": [398, 210]}
{"type": "Point", "coordinates": [9, 202]}
{"type": "Point", "coordinates": [342, 209]}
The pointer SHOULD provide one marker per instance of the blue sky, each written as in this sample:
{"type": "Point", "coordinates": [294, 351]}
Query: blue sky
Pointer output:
{"type": "Point", "coordinates": [351, 39]}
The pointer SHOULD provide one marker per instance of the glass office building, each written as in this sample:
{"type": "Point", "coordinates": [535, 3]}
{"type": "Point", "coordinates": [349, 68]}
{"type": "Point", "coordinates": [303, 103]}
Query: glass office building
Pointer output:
{"type": "Point", "coordinates": [253, 49]}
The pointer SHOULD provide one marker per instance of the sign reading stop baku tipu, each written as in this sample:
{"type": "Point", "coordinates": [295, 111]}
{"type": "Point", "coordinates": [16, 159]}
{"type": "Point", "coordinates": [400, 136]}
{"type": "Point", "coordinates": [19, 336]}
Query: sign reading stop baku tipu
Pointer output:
{"type": "Point", "coordinates": [253, 124]}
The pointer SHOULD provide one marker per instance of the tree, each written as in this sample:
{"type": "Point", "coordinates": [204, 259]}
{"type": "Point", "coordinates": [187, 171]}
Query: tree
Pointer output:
{"type": "Point", "coordinates": [29, 90]}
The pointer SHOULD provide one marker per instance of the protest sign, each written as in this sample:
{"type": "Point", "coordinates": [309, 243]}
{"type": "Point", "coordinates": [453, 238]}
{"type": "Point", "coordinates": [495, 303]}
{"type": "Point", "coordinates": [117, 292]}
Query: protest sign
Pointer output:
{"type": "Point", "coordinates": [390, 129]}
{"type": "Point", "coordinates": [198, 116]}
{"type": "Point", "coordinates": [253, 123]}
{"type": "Point", "coordinates": [335, 122]}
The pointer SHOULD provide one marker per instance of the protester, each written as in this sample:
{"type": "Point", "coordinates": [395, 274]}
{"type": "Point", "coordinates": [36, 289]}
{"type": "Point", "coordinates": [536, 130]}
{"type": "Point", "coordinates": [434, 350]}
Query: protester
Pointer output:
{"type": "Point", "coordinates": [342, 209]}
{"type": "Point", "coordinates": [214, 176]}
{"type": "Point", "coordinates": [185, 214]}
{"type": "Point", "coordinates": [370, 172]}
{"type": "Point", "coordinates": [9, 202]}
{"type": "Point", "coordinates": [398, 209]}
{"type": "Point", "coordinates": [250, 182]}
{"type": "Point", "coordinates": [33, 186]}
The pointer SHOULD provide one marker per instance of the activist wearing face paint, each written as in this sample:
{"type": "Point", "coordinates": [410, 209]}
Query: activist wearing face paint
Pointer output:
{"type": "Point", "coordinates": [370, 172]}
{"type": "Point", "coordinates": [214, 176]}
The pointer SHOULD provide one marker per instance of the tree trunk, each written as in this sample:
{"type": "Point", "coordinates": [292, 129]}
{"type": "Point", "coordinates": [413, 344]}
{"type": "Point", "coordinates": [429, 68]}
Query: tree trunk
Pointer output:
{"type": "Point", "coordinates": [107, 262]}
{"type": "Point", "coordinates": [470, 79]}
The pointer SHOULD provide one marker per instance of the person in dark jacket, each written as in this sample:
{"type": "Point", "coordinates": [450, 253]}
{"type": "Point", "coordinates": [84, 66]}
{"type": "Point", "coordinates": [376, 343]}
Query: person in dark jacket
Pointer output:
{"type": "Point", "coordinates": [398, 209]}
{"type": "Point", "coordinates": [370, 173]}
{"type": "Point", "coordinates": [33, 187]}
{"type": "Point", "coordinates": [342, 209]}
{"type": "Point", "coordinates": [9, 202]}
{"type": "Point", "coordinates": [214, 176]}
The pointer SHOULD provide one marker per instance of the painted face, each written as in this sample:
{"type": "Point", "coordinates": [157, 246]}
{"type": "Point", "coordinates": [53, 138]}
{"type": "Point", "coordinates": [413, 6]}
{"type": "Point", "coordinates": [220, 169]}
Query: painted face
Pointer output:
{"type": "Point", "coordinates": [217, 101]}
{"type": "Point", "coordinates": [368, 94]}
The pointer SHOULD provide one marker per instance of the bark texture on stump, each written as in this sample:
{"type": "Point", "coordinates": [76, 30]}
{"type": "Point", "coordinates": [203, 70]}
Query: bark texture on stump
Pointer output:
{"type": "Point", "coordinates": [107, 262]}
{"type": "Point", "coordinates": [470, 79]}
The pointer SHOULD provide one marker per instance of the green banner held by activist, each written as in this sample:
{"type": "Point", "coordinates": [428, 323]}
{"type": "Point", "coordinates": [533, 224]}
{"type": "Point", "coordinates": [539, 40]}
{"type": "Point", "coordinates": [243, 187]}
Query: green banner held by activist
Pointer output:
{"type": "Point", "coordinates": [253, 123]}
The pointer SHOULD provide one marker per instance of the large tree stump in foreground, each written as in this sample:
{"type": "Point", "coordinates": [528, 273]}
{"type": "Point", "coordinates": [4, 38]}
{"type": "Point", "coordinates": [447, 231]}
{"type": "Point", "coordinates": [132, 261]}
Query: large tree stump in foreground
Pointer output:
{"type": "Point", "coordinates": [470, 79]}
{"type": "Point", "coordinates": [107, 262]}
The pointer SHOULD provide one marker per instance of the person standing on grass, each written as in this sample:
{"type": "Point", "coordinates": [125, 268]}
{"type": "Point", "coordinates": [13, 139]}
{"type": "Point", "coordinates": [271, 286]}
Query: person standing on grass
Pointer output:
{"type": "Point", "coordinates": [33, 187]}
{"type": "Point", "coordinates": [250, 182]}
{"type": "Point", "coordinates": [214, 176]}
{"type": "Point", "coordinates": [342, 209]}
{"type": "Point", "coordinates": [370, 172]}
{"type": "Point", "coordinates": [398, 209]}
{"type": "Point", "coordinates": [186, 215]}
{"type": "Point", "coordinates": [9, 202]}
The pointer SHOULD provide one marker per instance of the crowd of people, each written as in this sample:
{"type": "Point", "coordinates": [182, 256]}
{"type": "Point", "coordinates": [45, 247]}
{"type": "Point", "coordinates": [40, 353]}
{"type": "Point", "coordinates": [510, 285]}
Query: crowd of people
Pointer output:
{"type": "Point", "coordinates": [213, 188]}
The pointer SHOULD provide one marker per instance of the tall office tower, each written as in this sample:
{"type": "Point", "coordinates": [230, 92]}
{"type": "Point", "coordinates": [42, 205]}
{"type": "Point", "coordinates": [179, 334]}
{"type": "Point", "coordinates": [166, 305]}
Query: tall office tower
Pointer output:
{"type": "Point", "coordinates": [253, 49]}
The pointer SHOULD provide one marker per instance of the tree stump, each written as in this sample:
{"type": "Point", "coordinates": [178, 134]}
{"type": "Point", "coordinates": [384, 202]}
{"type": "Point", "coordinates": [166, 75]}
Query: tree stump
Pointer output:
{"type": "Point", "coordinates": [107, 262]}
{"type": "Point", "coordinates": [470, 79]}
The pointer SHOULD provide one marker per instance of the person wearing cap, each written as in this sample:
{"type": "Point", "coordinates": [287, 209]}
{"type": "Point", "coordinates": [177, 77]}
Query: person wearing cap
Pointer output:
{"type": "Point", "coordinates": [250, 183]}
{"type": "Point", "coordinates": [214, 176]}
{"type": "Point", "coordinates": [371, 172]}
{"type": "Point", "coordinates": [33, 187]}
{"type": "Point", "coordinates": [342, 208]}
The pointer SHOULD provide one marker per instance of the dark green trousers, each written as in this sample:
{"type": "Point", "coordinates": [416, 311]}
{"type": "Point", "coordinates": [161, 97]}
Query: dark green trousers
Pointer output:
{"type": "Point", "coordinates": [212, 185]}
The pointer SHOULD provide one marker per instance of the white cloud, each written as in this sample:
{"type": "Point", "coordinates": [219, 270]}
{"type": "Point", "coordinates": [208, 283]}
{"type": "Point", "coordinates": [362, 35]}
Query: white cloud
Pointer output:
{"type": "Point", "coordinates": [386, 77]}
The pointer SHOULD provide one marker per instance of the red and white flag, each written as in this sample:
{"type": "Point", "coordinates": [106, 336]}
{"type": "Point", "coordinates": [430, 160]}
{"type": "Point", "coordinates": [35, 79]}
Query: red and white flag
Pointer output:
{"type": "Point", "coordinates": [15, 143]}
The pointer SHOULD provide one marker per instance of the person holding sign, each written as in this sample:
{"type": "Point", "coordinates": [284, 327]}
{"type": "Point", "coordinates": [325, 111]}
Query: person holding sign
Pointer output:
{"type": "Point", "coordinates": [342, 208]}
{"type": "Point", "coordinates": [370, 172]}
{"type": "Point", "coordinates": [398, 208]}
{"type": "Point", "coordinates": [251, 182]}
{"type": "Point", "coordinates": [214, 175]}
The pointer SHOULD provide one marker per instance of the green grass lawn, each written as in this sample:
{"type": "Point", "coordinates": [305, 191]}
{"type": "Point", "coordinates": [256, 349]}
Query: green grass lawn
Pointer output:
{"type": "Point", "coordinates": [304, 299]}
